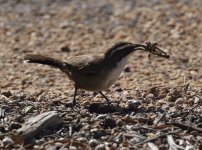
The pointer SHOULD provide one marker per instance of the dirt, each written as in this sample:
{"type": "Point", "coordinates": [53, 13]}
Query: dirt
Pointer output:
{"type": "Point", "coordinates": [68, 28]}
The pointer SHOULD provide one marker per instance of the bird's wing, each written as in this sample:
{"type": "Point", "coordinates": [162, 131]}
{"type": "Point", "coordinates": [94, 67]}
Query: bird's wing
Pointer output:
{"type": "Point", "coordinates": [86, 65]}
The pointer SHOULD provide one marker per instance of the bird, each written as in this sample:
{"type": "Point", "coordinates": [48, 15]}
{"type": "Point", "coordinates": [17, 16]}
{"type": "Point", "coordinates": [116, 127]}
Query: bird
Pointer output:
{"type": "Point", "coordinates": [99, 71]}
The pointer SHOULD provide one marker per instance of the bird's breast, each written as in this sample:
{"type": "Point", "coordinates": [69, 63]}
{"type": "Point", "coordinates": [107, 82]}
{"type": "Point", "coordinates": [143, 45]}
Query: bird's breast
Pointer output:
{"type": "Point", "coordinates": [116, 71]}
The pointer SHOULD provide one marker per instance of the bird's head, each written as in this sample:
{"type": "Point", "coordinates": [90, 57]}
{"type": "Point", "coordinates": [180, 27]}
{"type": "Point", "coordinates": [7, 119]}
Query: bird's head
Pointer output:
{"type": "Point", "coordinates": [122, 49]}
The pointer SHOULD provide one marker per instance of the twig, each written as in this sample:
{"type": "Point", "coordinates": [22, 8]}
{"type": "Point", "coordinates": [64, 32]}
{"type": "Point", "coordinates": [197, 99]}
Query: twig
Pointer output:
{"type": "Point", "coordinates": [172, 143]}
{"type": "Point", "coordinates": [153, 146]}
{"type": "Point", "coordinates": [155, 138]}
{"type": "Point", "coordinates": [186, 127]}
{"type": "Point", "coordinates": [159, 119]}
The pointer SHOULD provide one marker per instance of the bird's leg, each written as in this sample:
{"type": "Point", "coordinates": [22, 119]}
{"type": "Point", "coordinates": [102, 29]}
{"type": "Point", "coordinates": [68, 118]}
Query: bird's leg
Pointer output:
{"type": "Point", "coordinates": [108, 101]}
{"type": "Point", "coordinates": [74, 99]}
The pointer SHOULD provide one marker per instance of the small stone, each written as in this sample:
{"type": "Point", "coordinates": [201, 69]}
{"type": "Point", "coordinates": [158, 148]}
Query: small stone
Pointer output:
{"type": "Point", "coordinates": [2, 129]}
{"type": "Point", "coordinates": [93, 143]}
{"type": "Point", "coordinates": [119, 89]}
{"type": "Point", "coordinates": [56, 145]}
{"type": "Point", "coordinates": [190, 101]}
{"type": "Point", "coordinates": [175, 93]}
{"type": "Point", "coordinates": [8, 142]}
{"type": "Point", "coordinates": [119, 122]}
{"type": "Point", "coordinates": [178, 107]}
{"type": "Point", "coordinates": [179, 101]}
{"type": "Point", "coordinates": [15, 98]}
{"type": "Point", "coordinates": [125, 93]}
{"type": "Point", "coordinates": [108, 123]}
{"type": "Point", "coordinates": [98, 133]}
{"type": "Point", "coordinates": [124, 148]}
{"type": "Point", "coordinates": [192, 93]}
{"type": "Point", "coordinates": [159, 109]}
{"type": "Point", "coordinates": [189, 147]}
{"type": "Point", "coordinates": [108, 144]}
{"type": "Point", "coordinates": [6, 108]}
{"type": "Point", "coordinates": [7, 93]}
{"type": "Point", "coordinates": [72, 148]}
{"type": "Point", "coordinates": [15, 48]}
{"type": "Point", "coordinates": [15, 125]}
{"type": "Point", "coordinates": [69, 118]}
{"type": "Point", "coordinates": [127, 69]}
{"type": "Point", "coordinates": [100, 147]}
{"type": "Point", "coordinates": [162, 147]}
{"type": "Point", "coordinates": [133, 104]}
{"type": "Point", "coordinates": [28, 109]}
{"type": "Point", "coordinates": [161, 102]}
{"type": "Point", "coordinates": [162, 95]}
{"type": "Point", "coordinates": [150, 95]}
{"type": "Point", "coordinates": [135, 140]}
{"type": "Point", "coordinates": [82, 140]}
{"type": "Point", "coordinates": [143, 94]}
{"type": "Point", "coordinates": [196, 100]}
{"type": "Point", "coordinates": [169, 98]}
{"type": "Point", "coordinates": [102, 116]}
{"type": "Point", "coordinates": [194, 133]}
{"type": "Point", "coordinates": [65, 48]}
{"type": "Point", "coordinates": [40, 141]}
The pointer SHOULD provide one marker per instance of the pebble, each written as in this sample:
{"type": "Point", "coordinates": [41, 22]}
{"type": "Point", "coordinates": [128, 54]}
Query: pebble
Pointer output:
{"type": "Point", "coordinates": [179, 101]}
{"type": "Point", "coordinates": [133, 104]}
{"type": "Point", "coordinates": [56, 145]}
{"type": "Point", "coordinates": [150, 95]}
{"type": "Point", "coordinates": [127, 69]}
{"type": "Point", "coordinates": [65, 48]}
{"type": "Point", "coordinates": [108, 123]}
{"type": "Point", "coordinates": [119, 122]}
{"type": "Point", "coordinates": [169, 98]}
{"type": "Point", "coordinates": [102, 116]}
{"type": "Point", "coordinates": [189, 147]}
{"type": "Point", "coordinates": [7, 142]}
{"type": "Point", "coordinates": [100, 147]}
{"type": "Point", "coordinates": [2, 129]}
{"type": "Point", "coordinates": [7, 93]}
{"type": "Point", "coordinates": [134, 140]}
{"type": "Point", "coordinates": [190, 101]}
{"type": "Point", "coordinates": [72, 148]}
{"type": "Point", "coordinates": [196, 99]}
{"type": "Point", "coordinates": [28, 109]}
{"type": "Point", "coordinates": [15, 125]}
{"type": "Point", "coordinates": [93, 143]}
{"type": "Point", "coordinates": [162, 147]}
{"type": "Point", "coordinates": [82, 139]}
{"type": "Point", "coordinates": [6, 108]}
{"type": "Point", "coordinates": [124, 148]}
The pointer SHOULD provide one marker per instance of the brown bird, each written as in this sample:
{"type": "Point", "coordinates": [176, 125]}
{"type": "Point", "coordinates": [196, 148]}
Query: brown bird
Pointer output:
{"type": "Point", "coordinates": [96, 72]}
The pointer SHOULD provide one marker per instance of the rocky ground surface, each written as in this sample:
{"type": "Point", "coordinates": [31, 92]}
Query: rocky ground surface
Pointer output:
{"type": "Point", "coordinates": [156, 103]}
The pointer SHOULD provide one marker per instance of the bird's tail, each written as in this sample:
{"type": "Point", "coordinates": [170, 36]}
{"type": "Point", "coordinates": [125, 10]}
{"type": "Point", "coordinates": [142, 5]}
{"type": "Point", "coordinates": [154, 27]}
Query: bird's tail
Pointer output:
{"type": "Point", "coordinates": [39, 59]}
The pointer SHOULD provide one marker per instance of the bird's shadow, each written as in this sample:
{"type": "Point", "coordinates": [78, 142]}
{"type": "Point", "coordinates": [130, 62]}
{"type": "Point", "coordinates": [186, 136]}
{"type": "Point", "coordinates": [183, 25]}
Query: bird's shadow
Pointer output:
{"type": "Point", "coordinates": [103, 108]}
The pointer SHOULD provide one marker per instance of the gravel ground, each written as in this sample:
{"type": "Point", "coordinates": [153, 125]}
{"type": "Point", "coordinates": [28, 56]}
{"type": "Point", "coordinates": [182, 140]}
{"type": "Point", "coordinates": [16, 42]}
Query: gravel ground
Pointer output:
{"type": "Point", "coordinates": [156, 102]}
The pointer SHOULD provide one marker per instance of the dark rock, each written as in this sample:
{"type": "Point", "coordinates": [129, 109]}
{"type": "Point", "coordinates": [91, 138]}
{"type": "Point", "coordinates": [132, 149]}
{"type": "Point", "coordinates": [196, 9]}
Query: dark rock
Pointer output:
{"type": "Point", "coordinates": [93, 143]}
{"type": "Point", "coordinates": [65, 48]}
{"type": "Point", "coordinates": [127, 69]}
{"type": "Point", "coordinates": [15, 125]}
{"type": "Point", "coordinates": [100, 147]}
{"type": "Point", "coordinates": [108, 123]}
{"type": "Point", "coordinates": [7, 93]}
